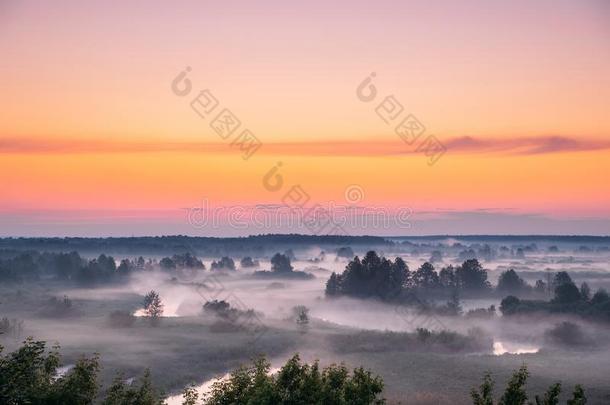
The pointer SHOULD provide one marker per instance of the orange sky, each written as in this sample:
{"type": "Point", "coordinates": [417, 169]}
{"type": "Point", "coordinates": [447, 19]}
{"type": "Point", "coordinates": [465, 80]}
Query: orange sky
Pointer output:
{"type": "Point", "coordinates": [517, 93]}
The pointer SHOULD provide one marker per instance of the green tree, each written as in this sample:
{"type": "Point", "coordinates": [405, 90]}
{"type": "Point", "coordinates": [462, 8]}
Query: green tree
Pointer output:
{"type": "Point", "coordinates": [484, 396]}
{"type": "Point", "coordinates": [190, 396]}
{"type": "Point", "coordinates": [153, 306]}
{"type": "Point", "coordinates": [297, 383]}
{"type": "Point", "coordinates": [515, 393]}
{"type": "Point", "coordinates": [551, 397]}
{"type": "Point", "coordinates": [120, 393]}
{"type": "Point", "coordinates": [578, 396]}
{"type": "Point", "coordinates": [29, 376]}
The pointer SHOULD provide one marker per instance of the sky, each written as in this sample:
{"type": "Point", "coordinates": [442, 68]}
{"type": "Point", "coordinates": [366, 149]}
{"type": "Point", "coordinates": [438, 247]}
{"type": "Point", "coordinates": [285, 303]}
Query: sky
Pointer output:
{"type": "Point", "coordinates": [112, 115]}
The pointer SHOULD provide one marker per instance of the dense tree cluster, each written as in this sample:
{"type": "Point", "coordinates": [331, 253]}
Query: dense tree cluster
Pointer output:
{"type": "Point", "coordinates": [223, 310]}
{"type": "Point", "coordinates": [375, 276]}
{"type": "Point", "coordinates": [568, 298]}
{"type": "Point", "coordinates": [181, 261]}
{"type": "Point", "coordinates": [371, 276]}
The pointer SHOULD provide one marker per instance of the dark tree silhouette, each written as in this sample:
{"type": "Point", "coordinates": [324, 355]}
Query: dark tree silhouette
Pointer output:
{"type": "Point", "coordinates": [510, 282]}
{"type": "Point", "coordinates": [281, 263]}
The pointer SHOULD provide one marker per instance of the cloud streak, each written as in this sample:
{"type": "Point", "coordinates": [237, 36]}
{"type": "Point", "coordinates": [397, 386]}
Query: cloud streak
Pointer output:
{"type": "Point", "coordinates": [463, 144]}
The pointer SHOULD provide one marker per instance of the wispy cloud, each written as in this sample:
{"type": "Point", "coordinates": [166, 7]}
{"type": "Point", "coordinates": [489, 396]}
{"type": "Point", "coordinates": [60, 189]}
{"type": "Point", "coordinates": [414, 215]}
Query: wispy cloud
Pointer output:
{"type": "Point", "coordinates": [526, 145]}
{"type": "Point", "coordinates": [463, 144]}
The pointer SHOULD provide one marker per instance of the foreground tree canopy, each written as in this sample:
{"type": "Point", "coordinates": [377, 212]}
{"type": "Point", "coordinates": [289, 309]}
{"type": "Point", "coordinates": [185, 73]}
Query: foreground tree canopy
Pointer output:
{"type": "Point", "coordinates": [296, 383]}
{"type": "Point", "coordinates": [515, 393]}
{"type": "Point", "coordinates": [31, 375]}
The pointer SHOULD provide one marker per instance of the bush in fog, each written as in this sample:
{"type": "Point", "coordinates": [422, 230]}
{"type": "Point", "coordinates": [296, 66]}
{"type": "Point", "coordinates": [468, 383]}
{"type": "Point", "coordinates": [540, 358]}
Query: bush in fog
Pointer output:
{"type": "Point", "coordinates": [300, 314]}
{"type": "Point", "coordinates": [167, 264]}
{"type": "Point", "coordinates": [482, 312]}
{"type": "Point", "coordinates": [217, 307]}
{"type": "Point", "coordinates": [59, 307]}
{"type": "Point", "coordinates": [297, 383]}
{"type": "Point", "coordinates": [282, 268]}
{"type": "Point", "coordinates": [222, 310]}
{"type": "Point", "coordinates": [290, 255]}
{"type": "Point", "coordinates": [121, 319]}
{"type": "Point", "coordinates": [422, 340]}
{"type": "Point", "coordinates": [515, 392]}
{"type": "Point", "coordinates": [345, 252]}
{"type": "Point", "coordinates": [11, 327]}
{"type": "Point", "coordinates": [248, 262]}
{"type": "Point", "coordinates": [436, 256]}
{"type": "Point", "coordinates": [566, 334]}
{"type": "Point", "coordinates": [225, 263]}
{"type": "Point", "coordinates": [509, 305]}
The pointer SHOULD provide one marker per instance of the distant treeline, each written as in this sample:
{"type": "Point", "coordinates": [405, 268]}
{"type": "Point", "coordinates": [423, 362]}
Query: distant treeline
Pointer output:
{"type": "Point", "coordinates": [192, 244]}
{"type": "Point", "coordinates": [33, 265]}
{"type": "Point", "coordinates": [512, 238]}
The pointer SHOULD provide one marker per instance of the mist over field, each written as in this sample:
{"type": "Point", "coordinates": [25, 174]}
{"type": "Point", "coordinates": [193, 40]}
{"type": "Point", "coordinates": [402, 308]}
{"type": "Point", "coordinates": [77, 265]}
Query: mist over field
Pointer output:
{"type": "Point", "coordinates": [219, 312]}
{"type": "Point", "coordinates": [305, 202]}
